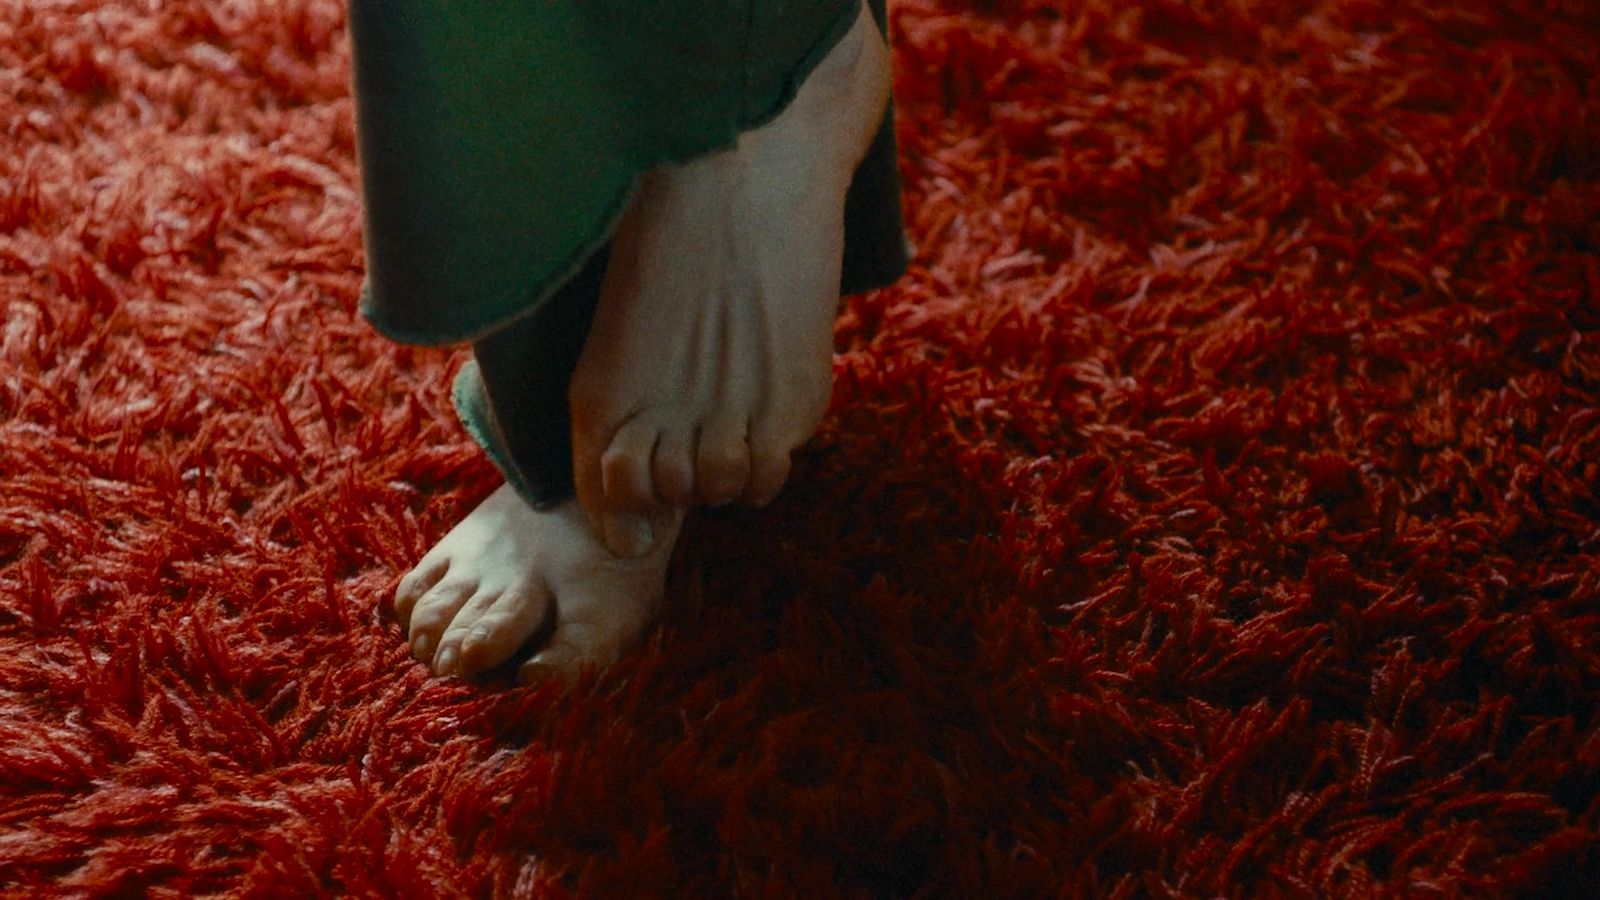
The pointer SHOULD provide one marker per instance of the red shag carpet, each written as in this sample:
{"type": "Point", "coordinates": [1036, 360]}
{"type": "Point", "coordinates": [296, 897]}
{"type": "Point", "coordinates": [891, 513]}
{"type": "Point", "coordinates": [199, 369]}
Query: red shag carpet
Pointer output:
{"type": "Point", "coordinates": [1211, 511]}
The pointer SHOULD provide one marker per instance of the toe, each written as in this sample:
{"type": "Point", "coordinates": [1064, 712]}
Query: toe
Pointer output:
{"type": "Point", "coordinates": [576, 646]}
{"type": "Point", "coordinates": [595, 625]}
{"type": "Point", "coordinates": [556, 663]}
{"type": "Point", "coordinates": [621, 495]}
{"type": "Point", "coordinates": [769, 469]}
{"type": "Point", "coordinates": [447, 656]}
{"type": "Point", "coordinates": [505, 626]}
{"type": "Point", "coordinates": [723, 462]}
{"type": "Point", "coordinates": [433, 613]}
{"type": "Point", "coordinates": [415, 584]}
{"type": "Point", "coordinates": [589, 441]}
{"type": "Point", "coordinates": [625, 466]}
{"type": "Point", "coordinates": [674, 466]}
{"type": "Point", "coordinates": [786, 420]}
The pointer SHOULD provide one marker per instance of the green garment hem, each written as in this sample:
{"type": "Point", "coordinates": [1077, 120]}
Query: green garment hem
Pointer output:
{"type": "Point", "coordinates": [501, 140]}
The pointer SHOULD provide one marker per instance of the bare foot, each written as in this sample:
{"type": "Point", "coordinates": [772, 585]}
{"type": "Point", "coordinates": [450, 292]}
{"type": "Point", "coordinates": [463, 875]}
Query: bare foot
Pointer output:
{"type": "Point", "coordinates": [711, 355]}
{"type": "Point", "coordinates": [501, 574]}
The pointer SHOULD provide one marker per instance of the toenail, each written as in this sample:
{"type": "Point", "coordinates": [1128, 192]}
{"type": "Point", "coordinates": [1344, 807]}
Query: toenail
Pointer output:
{"type": "Point", "coordinates": [421, 646]}
{"type": "Point", "coordinates": [535, 673]}
{"type": "Point", "coordinates": [477, 634]}
{"type": "Point", "coordinates": [629, 534]}
{"type": "Point", "coordinates": [447, 661]}
{"type": "Point", "coordinates": [538, 673]}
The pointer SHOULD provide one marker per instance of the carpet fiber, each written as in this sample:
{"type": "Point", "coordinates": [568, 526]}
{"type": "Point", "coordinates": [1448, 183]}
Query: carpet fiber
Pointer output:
{"type": "Point", "coordinates": [1211, 511]}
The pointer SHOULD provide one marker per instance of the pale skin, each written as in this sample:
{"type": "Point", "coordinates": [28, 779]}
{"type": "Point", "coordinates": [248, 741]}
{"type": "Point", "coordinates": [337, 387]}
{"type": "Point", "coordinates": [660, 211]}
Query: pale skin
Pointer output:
{"type": "Point", "coordinates": [709, 362]}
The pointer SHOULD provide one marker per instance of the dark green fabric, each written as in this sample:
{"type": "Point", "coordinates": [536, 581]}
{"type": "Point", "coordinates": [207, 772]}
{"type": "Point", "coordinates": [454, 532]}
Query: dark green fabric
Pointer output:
{"type": "Point", "coordinates": [500, 140]}
{"type": "Point", "coordinates": [512, 396]}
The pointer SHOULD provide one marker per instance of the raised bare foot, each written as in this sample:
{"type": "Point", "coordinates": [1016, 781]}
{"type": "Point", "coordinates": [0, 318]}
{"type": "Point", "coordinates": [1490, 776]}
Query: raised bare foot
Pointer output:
{"type": "Point", "coordinates": [711, 355]}
{"type": "Point", "coordinates": [506, 570]}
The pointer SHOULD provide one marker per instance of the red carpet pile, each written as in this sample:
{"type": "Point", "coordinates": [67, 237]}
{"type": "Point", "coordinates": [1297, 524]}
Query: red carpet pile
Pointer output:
{"type": "Point", "coordinates": [1213, 510]}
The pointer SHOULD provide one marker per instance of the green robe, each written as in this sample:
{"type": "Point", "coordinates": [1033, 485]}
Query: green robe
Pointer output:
{"type": "Point", "coordinates": [500, 140]}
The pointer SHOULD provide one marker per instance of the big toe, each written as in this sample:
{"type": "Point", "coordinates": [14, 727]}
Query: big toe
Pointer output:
{"type": "Point", "coordinates": [774, 435]}
{"type": "Point", "coordinates": [769, 469]}
{"type": "Point", "coordinates": [722, 466]}
{"type": "Point", "coordinates": [577, 647]}
{"type": "Point", "coordinates": [604, 613]}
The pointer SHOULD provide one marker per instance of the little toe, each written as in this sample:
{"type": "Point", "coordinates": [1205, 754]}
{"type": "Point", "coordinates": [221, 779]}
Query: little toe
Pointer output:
{"type": "Point", "coordinates": [505, 626]}
{"type": "Point", "coordinates": [433, 613]}
{"type": "Point", "coordinates": [723, 461]}
{"type": "Point", "coordinates": [625, 466]}
{"type": "Point", "coordinates": [586, 451]}
{"type": "Point", "coordinates": [628, 495]}
{"type": "Point", "coordinates": [674, 466]}
{"type": "Point", "coordinates": [415, 584]}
